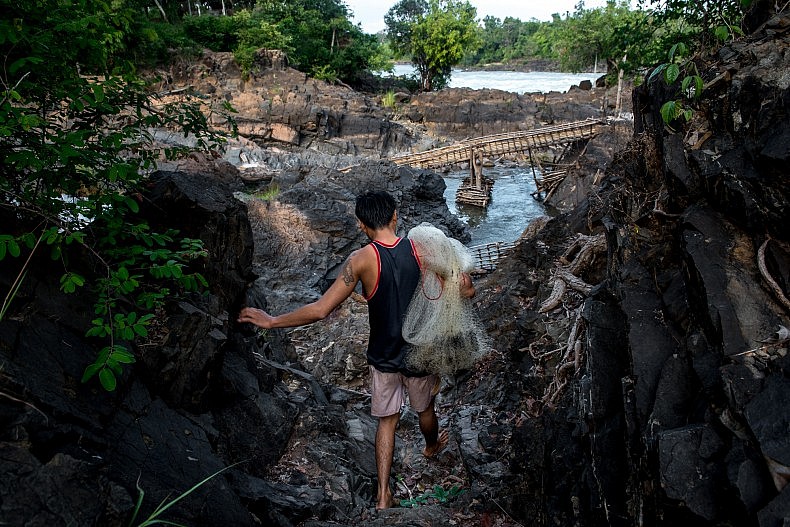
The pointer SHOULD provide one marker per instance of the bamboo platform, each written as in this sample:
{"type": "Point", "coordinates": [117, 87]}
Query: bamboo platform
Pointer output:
{"type": "Point", "coordinates": [471, 194]}
{"type": "Point", "coordinates": [501, 144]}
{"type": "Point", "coordinates": [486, 256]}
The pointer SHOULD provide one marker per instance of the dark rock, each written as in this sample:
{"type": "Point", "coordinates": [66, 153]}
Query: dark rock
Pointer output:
{"type": "Point", "coordinates": [687, 471]}
{"type": "Point", "coordinates": [775, 513]}
{"type": "Point", "coordinates": [747, 472]}
{"type": "Point", "coordinates": [768, 415]}
{"type": "Point", "coordinates": [84, 496]}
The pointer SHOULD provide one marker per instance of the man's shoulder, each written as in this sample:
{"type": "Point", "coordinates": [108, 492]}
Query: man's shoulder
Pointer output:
{"type": "Point", "coordinates": [366, 255]}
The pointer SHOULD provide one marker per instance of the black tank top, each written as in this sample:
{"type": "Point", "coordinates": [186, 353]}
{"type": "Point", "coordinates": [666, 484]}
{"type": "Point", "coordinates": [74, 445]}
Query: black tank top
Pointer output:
{"type": "Point", "coordinates": [398, 277]}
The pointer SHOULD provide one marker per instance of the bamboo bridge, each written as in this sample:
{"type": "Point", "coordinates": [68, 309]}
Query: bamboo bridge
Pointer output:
{"type": "Point", "coordinates": [476, 190]}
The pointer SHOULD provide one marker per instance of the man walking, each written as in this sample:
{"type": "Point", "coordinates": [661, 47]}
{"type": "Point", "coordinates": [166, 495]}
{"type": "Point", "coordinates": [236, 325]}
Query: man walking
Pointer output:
{"type": "Point", "coordinates": [389, 270]}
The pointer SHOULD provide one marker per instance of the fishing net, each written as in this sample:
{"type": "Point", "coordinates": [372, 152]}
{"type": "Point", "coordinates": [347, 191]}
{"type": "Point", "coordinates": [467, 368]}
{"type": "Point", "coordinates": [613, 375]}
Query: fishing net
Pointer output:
{"type": "Point", "coordinates": [441, 325]}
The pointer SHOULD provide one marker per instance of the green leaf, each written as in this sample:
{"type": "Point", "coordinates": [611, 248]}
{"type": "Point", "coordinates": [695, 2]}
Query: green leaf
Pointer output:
{"type": "Point", "coordinates": [96, 331]}
{"type": "Point", "coordinates": [29, 239]}
{"type": "Point", "coordinates": [672, 73]}
{"type": "Point", "coordinates": [722, 33]}
{"type": "Point", "coordinates": [121, 355]}
{"type": "Point", "coordinates": [133, 205]}
{"type": "Point", "coordinates": [90, 371]}
{"type": "Point", "coordinates": [98, 92]}
{"type": "Point", "coordinates": [684, 85]}
{"type": "Point", "coordinates": [677, 51]}
{"type": "Point", "coordinates": [657, 71]}
{"type": "Point", "coordinates": [699, 85]}
{"type": "Point", "coordinates": [13, 248]}
{"type": "Point", "coordinates": [669, 111]}
{"type": "Point", "coordinates": [66, 284]}
{"type": "Point", "coordinates": [75, 236]}
{"type": "Point", "coordinates": [114, 366]}
{"type": "Point", "coordinates": [672, 51]}
{"type": "Point", "coordinates": [107, 379]}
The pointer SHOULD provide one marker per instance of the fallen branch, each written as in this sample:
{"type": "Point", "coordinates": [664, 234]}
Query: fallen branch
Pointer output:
{"type": "Point", "coordinates": [767, 276]}
{"type": "Point", "coordinates": [46, 419]}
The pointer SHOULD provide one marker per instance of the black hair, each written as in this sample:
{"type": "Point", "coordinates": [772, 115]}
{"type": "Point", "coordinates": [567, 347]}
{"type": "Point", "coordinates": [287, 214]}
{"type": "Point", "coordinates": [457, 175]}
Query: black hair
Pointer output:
{"type": "Point", "coordinates": [375, 209]}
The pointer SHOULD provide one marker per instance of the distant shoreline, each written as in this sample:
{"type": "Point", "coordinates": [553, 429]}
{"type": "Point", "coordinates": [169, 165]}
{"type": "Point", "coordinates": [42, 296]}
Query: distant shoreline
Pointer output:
{"type": "Point", "coordinates": [521, 67]}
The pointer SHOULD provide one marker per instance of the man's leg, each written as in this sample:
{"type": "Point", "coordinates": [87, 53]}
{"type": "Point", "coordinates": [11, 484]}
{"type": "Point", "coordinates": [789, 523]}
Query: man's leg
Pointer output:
{"type": "Point", "coordinates": [385, 449]}
{"type": "Point", "coordinates": [422, 393]}
{"type": "Point", "coordinates": [429, 426]}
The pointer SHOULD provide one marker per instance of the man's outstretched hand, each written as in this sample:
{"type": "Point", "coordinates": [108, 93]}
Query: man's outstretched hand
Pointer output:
{"type": "Point", "coordinates": [255, 316]}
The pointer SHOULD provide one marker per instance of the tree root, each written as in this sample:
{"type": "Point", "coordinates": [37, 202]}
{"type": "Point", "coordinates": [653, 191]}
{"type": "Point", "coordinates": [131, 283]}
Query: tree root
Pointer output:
{"type": "Point", "coordinates": [584, 250]}
{"type": "Point", "coordinates": [555, 297]}
{"type": "Point", "coordinates": [570, 363]}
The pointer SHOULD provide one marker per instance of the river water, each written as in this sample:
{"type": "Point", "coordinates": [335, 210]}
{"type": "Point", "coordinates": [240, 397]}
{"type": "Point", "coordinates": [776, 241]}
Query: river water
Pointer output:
{"type": "Point", "coordinates": [515, 81]}
{"type": "Point", "coordinates": [510, 210]}
{"type": "Point", "coordinates": [512, 206]}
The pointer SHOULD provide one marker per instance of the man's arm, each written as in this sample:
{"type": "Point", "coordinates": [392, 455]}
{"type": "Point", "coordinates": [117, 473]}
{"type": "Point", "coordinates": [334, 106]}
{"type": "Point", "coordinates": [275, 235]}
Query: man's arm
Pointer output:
{"type": "Point", "coordinates": [341, 289]}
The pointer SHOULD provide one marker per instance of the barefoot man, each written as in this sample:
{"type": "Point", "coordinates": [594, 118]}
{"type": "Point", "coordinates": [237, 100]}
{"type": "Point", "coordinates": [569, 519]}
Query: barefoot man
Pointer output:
{"type": "Point", "coordinates": [389, 270]}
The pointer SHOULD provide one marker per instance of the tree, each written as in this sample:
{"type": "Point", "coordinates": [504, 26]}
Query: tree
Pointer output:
{"type": "Point", "coordinates": [436, 36]}
{"type": "Point", "coordinates": [604, 34]}
{"type": "Point", "coordinates": [317, 36]}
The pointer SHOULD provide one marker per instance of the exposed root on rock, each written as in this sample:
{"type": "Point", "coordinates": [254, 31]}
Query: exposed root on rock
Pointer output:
{"type": "Point", "coordinates": [579, 256]}
{"type": "Point", "coordinates": [571, 363]}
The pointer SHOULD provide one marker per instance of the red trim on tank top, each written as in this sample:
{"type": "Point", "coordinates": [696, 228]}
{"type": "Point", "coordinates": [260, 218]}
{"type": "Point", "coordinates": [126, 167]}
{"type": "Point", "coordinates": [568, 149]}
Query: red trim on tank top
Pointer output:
{"type": "Point", "coordinates": [388, 246]}
{"type": "Point", "coordinates": [416, 254]}
{"type": "Point", "coordinates": [378, 272]}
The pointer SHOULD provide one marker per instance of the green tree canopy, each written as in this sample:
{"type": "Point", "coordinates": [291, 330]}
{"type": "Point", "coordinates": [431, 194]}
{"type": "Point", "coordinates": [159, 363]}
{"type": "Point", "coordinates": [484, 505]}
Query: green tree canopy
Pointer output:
{"type": "Point", "coordinates": [317, 36]}
{"type": "Point", "coordinates": [435, 35]}
{"type": "Point", "coordinates": [609, 34]}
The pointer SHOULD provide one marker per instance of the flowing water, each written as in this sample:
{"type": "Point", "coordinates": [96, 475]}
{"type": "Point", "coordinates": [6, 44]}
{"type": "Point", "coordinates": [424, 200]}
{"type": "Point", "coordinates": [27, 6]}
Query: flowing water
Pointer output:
{"type": "Point", "coordinates": [515, 81]}
{"type": "Point", "coordinates": [510, 210]}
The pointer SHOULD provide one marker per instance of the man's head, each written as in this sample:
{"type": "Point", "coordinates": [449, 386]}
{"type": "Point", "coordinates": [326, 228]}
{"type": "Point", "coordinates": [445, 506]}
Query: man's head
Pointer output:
{"type": "Point", "coordinates": [375, 209]}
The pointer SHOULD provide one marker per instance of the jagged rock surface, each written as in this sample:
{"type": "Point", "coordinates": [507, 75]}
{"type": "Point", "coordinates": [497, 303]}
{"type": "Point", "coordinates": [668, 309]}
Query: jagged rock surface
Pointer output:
{"type": "Point", "coordinates": [684, 339]}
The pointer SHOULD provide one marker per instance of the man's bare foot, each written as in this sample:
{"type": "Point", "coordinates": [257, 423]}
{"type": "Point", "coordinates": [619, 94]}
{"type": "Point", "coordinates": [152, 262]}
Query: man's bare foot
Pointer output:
{"type": "Point", "coordinates": [441, 442]}
{"type": "Point", "coordinates": [385, 503]}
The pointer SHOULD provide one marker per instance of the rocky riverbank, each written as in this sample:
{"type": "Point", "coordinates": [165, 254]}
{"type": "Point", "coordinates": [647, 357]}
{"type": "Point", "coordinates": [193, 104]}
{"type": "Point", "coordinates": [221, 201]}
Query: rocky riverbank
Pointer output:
{"type": "Point", "coordinates": [640, 372]}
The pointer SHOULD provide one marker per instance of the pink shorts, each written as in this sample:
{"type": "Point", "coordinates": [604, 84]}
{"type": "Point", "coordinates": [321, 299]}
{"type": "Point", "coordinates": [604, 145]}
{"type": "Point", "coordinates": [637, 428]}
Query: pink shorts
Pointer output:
{"type": "Point", "coordinates": [389, 391]}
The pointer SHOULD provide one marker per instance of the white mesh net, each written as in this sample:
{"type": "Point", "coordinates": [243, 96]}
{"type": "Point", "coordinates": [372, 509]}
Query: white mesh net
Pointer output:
{"type": "Point", "coordinates": [440, 324]}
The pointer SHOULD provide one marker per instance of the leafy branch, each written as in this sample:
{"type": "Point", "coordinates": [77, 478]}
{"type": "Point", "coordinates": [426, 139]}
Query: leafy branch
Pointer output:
{"type": "Point", "coordinates": [722, 19]}
{"type": "Point", "coordinates": [75, 150]}
{"type": "Point", "coordinates": [691, 86]}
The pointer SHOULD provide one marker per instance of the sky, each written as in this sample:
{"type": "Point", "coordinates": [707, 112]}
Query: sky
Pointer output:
{"type": "Point", "coordinates": [370, 13]}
